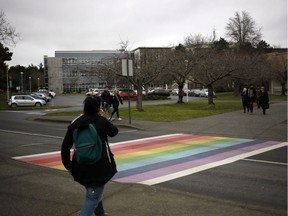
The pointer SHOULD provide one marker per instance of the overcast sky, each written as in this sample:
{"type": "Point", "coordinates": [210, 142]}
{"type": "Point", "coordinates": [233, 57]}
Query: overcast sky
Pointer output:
{"type": "Point", "coordinates": [47, 26]}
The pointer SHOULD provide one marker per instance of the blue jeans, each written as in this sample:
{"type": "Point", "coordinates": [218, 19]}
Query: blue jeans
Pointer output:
{"type": "Point", "coordinates": [93, 202]}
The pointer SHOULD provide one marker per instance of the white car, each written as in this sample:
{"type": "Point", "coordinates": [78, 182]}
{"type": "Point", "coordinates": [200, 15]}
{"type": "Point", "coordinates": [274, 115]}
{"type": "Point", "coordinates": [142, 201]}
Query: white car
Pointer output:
{"type": "Point", "coordinates": [25, 100]}
{"type": "Point", "coordinates": [204, 93]}
{"type": "Point", "coordinates": [52, 94]}
{"type": "Point", "coordinates": [95, 91]}
{"type": "Point", "coordinates": [49, 93]}
{"type": "Point", "coordinates": [174, 91]}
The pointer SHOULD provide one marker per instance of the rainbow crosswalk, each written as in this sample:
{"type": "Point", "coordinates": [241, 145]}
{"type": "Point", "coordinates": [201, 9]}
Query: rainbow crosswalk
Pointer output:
{"type": "Point", "coordinates": [158, 159]}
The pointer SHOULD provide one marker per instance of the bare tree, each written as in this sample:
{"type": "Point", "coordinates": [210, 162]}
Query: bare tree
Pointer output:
{"type": "Point", "coordinates": [148, 65]}
{"type": "Point", "coordinates": [181, 63]}
{"type": "Point", "coordinates": [242, 29]}
{"type": "Point", "coordinates": [8, 34]}
{"type": "Point", "coordinates": [199, 41]}
{"type": "Point", "coordinates": [278, 65]}
{"type": "Point", "coordinates": [214, 65]}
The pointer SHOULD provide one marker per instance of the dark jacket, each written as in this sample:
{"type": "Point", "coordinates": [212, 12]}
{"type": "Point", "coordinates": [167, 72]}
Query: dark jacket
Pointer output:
{"type": "Point", "coordinates": [116, 100]}
{"type": "Point", "coordinates": [100, 172]}
{"type": "Point", "coordinates": [263, 99]}
{"type": "Point", "coordinates": [251, 94]}
{"type": "Point", "coordinates": [106, 97]}
{"type": "Point", "coordinates": [244, 97]}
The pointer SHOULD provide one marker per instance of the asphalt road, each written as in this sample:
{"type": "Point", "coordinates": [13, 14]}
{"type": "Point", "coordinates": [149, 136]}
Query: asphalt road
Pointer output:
{"type": "Point", "coordinates": [258, 182]}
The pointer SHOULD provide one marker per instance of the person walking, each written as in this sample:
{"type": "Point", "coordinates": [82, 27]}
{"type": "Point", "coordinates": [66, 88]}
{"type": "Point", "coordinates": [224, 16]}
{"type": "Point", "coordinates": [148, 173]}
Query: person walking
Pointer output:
{"type": "Point", "coordinates": [244, 100]}
{"type": "Point", "coordinates": [263, 99]}
{"type": "Point", "coordinates": [93, 176]}
{"type": "Point", "coordinates": [251, 96]}
{"type": "Point", "coordinates": [116, 100]}
{"type": "Point", "coordinates": [106, 101]}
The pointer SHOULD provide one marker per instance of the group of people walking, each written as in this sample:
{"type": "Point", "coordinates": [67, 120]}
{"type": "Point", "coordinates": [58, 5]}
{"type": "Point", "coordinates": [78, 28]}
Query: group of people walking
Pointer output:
{"type": "Point", "coordinates": [250, 96]}
{"type": "Point", "coordinates": [109, 100]}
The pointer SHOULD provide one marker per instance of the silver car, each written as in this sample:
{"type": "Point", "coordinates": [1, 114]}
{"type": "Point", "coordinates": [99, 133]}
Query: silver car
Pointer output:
{"type": "Point", "coordinates": [25, 100]}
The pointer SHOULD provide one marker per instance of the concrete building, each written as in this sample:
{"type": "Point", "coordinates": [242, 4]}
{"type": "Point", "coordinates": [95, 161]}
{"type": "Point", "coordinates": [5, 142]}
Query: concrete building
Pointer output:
{"type": "Point", "coordinates": [76, 71]}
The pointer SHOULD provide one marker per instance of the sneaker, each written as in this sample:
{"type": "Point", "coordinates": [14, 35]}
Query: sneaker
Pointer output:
{"type": "Point", "coordinates": [104, 214]}
{"type": "Point", "coordinates": [119, 119]}
{"type": "Point", "coordinates": [111, 119]}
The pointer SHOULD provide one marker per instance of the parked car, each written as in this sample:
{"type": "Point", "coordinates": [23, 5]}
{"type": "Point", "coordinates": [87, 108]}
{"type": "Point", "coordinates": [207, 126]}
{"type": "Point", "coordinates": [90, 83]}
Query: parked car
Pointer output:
{"type": "Point", "coordinates": [204, 93]}
{"type": "Point", "coordinates": [159, 92]}
{"type": "Point", "coordinates": [95, 91]}
{"type": "Point", "coordinates": [194, 92]}
{"type": "Point", "coordinates": [25, 100]}
{"type": "Point", "coordinates": [43, 95]}
{"type": "Point", "coordinates": [174, 91]}
{"type": "Point", "coordinates": [143, 91]}
{"type": "Point", "coordinates": [38, 97]}
{"type": "Point", "coordinates": [125, 95]}
{"type": "Point", "coordinates": [52, 93]}
{"type": "Point", "coordinates": [49, 93]}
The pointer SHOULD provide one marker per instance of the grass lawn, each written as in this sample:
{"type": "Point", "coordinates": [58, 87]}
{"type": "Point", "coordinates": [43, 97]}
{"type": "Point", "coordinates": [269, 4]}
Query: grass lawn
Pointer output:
{"type": "Point", "coordinates": [177, 112]}
{"type": "Point", "coordinates": [225, 102]}
{"type": "Point", "coordinates": [171, 112]}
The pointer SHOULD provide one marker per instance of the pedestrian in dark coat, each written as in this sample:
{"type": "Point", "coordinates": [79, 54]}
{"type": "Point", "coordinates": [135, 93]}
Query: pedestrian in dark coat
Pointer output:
{"type": "Point", "coordinates": [116, 100]}
{"type": "Point", "coordinates": [251, 96]}
{"type": "Point", "coordinates": [263, 99]}
{"type": "Point", "coordinates": [244, 100]}
{"type": "Point", "coordinates": [92, 177]}
{"type": "Point", "coordinates": [106, 101]}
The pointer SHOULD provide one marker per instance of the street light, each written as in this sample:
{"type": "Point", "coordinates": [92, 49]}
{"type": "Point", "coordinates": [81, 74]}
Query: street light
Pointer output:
{"type": "Point", "coordinates": [21, 81]}
{"type": "Point", "coordinates": [30, 84]}
{"type": "Point", "coordinates": [38, 82]}
{"type": "Point", "coordinates": [7, 84]}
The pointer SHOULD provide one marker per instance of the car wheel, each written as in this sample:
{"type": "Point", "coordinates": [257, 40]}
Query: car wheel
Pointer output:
{"type": "Point", "coordinates": [38, 104]}
{"type": "Point", "coordinates": [14, 105]}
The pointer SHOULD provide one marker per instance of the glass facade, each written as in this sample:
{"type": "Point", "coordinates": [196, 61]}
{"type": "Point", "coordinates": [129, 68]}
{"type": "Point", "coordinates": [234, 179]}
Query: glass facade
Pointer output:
{"type": "Point", "coordinates": [82, 70]}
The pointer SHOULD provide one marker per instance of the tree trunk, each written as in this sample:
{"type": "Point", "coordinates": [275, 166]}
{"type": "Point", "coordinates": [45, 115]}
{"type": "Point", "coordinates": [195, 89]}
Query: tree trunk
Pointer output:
{"type": "Point", "coordinates": [283, 89]}
{"type": "Point", "coordinates": [180, 94]}
{"type": "Point", "coordinates": [139, 106]}
{"type": "Point", "coordinates": [210, 94]}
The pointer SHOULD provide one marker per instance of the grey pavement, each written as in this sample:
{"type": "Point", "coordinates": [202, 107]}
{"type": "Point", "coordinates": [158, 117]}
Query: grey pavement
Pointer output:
{"type": "Point", "coordinates": [139, 200]}
{"type": "Point", "coordinates": [272, 126]}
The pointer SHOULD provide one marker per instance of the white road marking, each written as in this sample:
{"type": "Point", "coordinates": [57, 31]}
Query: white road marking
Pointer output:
{"type": "Point", "coordinates": [262, 161]}
{"type": "Point", "coordinates": [210, 165]}
{"type": "Point", "coordinates": [31, 134]}
{"type": "Point", "coordinates": [33, 144]}
{"type": "Point", "coordinates": [128, 131]}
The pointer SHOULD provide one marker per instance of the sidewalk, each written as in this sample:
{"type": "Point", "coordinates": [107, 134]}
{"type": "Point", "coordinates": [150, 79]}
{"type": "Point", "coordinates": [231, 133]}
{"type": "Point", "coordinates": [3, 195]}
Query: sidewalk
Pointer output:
{"type": "Point", "coordinates": [140, 200]}
{"type": "Point", "coordinates": [272, 126]}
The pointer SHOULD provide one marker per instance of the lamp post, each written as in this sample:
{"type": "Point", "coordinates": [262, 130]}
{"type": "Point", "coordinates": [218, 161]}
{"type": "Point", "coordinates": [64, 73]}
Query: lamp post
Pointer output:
{"type": "Point", "coordinates": [38, 82]}
{"type": "Point", "coordinates": [30, 84]}
{"type": "Point", "coordinates": [21, 81]}
{"type": "Point", "coordinates": [7, 84]}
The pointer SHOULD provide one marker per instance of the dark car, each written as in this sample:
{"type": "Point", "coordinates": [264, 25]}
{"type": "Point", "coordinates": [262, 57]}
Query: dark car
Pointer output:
{"type": "Point", "coordinates": [38, 97]}
{"type": "Point", "coordinates": [194, 92]}
{"type": "Point", "coordinates": [159, 92]}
